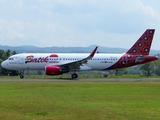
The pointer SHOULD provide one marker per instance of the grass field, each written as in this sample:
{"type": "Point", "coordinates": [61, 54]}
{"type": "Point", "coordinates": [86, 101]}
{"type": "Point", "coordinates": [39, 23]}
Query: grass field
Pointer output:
{"type": "Point", "coordinates": [79, 100]}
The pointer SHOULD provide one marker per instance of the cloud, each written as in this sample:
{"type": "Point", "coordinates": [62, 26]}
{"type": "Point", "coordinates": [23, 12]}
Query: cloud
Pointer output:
{"type": "Point", "coordinates": [76, 23]}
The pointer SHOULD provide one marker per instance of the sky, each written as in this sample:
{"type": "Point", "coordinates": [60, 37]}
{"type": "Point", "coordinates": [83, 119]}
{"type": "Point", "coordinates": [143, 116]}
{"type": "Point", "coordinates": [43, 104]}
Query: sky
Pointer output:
{"type": "Point", "coordinates": [80, 23]}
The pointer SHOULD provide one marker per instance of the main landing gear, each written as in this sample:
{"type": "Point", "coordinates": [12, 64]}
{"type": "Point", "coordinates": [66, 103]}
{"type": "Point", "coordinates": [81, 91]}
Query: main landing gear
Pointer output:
{"type": "Point", "coordinates": [74, 76]}
{"type": "Point", "coordinates": [22, 74]}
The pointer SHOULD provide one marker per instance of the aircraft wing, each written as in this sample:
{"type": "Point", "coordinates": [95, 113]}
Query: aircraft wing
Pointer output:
{"type": "Point", "coordinates": [76, 64]}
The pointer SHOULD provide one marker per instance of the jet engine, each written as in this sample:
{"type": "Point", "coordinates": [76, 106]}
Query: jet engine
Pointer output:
{"type": "Point", "coordinates": [54, 70]}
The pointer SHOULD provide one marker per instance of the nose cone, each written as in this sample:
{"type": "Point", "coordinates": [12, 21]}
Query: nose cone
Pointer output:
{"type": "Point", "coordinates": [3, 64]}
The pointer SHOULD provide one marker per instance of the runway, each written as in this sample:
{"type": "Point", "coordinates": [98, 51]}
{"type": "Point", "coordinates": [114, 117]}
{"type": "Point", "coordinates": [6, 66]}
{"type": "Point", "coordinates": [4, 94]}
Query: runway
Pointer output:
{"type": "Point", "coordinates": [81, 80]}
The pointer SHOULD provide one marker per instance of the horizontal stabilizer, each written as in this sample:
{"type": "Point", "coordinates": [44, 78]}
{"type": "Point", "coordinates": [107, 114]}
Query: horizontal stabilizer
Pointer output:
{"type": "Point", "coordinates": [143, 58]}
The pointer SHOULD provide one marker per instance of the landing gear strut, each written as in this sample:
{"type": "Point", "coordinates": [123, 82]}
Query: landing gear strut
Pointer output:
{"type": "Point", "coordinates": [22, 74]}
{"type": "Point", "coordinates": [74, 76]}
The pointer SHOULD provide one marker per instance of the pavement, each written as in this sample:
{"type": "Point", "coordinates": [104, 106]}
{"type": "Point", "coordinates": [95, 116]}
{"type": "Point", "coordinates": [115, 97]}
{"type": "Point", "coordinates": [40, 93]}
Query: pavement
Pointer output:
{"type": "Point", "coordinates": [81, 80]}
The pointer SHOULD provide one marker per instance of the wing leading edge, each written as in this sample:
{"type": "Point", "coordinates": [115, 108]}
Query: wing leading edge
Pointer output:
{"type": "Point", "coordinates": [76, 64]}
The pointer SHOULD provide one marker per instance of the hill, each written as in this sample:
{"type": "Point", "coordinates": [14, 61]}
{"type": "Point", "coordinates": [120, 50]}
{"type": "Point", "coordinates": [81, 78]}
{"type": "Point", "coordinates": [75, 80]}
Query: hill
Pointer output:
{"type": "Point", "coordinates": [55, 49]}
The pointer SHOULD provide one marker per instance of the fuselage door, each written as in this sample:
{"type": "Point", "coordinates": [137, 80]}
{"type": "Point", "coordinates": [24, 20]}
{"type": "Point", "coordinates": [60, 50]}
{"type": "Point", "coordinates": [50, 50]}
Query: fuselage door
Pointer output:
{"type": "Point", "coordinates": [21, 62]}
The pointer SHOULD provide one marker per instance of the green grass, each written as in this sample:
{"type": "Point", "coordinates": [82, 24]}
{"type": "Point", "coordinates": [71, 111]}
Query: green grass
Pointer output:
{"type": "Point", "coordinates": [79, 100]}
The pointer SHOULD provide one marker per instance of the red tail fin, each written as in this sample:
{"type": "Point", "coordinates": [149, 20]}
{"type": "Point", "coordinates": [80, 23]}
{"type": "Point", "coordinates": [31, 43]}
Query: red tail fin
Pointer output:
{"type": "Point", "coordinates": [143, 44]}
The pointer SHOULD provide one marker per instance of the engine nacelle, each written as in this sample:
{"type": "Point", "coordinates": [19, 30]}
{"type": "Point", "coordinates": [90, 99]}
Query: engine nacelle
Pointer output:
{"type": "Point", "coordinates": [53, 70]}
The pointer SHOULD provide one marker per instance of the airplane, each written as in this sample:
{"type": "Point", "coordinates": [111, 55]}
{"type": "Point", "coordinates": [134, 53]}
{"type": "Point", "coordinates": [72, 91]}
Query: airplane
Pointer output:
{"type": "Point", "coordinates": [59, 63]}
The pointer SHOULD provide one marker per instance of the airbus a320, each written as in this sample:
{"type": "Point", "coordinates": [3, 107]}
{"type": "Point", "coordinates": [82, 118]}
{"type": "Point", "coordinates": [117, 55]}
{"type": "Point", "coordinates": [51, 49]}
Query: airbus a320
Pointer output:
{"type": "Point", "coordinates": [59, 63]}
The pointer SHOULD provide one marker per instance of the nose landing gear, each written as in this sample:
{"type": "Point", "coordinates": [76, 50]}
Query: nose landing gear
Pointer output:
{"type": "Point", "coordinates": [22, 74]}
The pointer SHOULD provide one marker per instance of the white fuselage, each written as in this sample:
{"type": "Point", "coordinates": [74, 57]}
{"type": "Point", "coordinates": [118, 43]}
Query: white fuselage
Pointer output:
{"type": "Point", "coordinates": [38, 61]}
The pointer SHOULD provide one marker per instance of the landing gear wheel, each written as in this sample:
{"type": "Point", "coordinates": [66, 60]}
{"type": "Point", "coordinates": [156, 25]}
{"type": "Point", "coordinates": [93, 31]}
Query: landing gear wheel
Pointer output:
{"type": "Point", "coordinates": [21, 76]}
{"type": "Point", "coordinates": [74, 76]}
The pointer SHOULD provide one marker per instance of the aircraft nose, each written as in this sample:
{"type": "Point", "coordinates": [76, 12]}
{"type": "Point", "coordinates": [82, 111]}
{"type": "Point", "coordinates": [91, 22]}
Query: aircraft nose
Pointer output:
{"type": "Point", "coordinates": [3, 64]}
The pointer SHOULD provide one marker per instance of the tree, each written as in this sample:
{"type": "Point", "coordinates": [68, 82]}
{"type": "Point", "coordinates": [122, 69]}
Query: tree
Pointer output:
{"type": "Point", "coordinates": [7, 54]}
{"type": "Point", "coordinates": [3, 56]}
{"type": "Point", "coordinates": [157, 66]}
{"type": "Point", "coordinates": [147, 68]}
{"type": "Point", "coordinates": [121, 71]}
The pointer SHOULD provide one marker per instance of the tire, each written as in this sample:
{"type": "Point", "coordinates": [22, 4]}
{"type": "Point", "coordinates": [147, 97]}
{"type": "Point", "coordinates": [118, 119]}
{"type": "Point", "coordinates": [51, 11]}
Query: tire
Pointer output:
{"type": "Point", "coordinates": [74, 76]}
{"type": "Point", "coordinates": [21, 76]}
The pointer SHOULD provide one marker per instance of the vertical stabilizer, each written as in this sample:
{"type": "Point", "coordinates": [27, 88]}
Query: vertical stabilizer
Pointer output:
{"type": "Point", "coordinates": [143, 44]}
{"type": "Point", "coordinates": [138, 53]}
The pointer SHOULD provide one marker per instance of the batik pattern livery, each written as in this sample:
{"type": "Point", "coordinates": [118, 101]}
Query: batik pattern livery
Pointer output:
{"type": "Point", "coordinates": [140, 49]}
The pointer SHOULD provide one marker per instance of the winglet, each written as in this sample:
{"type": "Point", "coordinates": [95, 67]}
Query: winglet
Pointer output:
{"type": "Point", "coordinates": [93, 52]}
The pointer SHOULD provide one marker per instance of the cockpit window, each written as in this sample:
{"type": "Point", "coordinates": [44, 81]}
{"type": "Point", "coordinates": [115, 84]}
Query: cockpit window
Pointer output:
{"type": "Point", "coordinates": [10, 58]}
